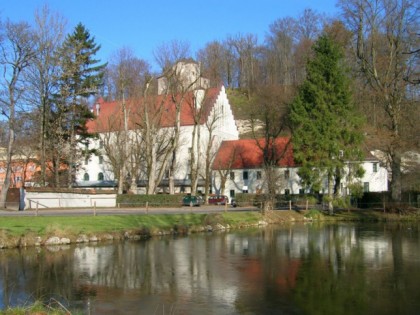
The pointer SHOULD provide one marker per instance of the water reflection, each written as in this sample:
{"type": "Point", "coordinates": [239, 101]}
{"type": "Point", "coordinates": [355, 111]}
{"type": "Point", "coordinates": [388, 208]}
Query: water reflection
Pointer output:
{"type": "Point", "coordinates": [299, 269]}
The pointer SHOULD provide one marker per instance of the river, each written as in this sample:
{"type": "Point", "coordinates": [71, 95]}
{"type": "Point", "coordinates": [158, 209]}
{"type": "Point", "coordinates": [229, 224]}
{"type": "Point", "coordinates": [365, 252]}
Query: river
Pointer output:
{"type": "Point", "coordinates": [349, 268]}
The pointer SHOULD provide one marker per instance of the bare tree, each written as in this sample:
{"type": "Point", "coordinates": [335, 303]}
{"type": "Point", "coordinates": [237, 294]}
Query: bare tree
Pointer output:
{"type": "Point", "coordinates": [210, 149]}
{"type": "Point", "coordinates": [170, 57]}
{"type": "Point", "coordinates": [214, 62]}
{"type": "Point", "coordinates": [16, 54]}
{"type": "Point", "coordinates": [114, 141]}
{"type": "Point", "coordinates": [49, 35]}
{"type": "Point", "coordinates": [279, 50]}
{"type": "Point", "coordinates": [224, 171]}
{"type": "Point", "coordinates": [246, 50]}
{"type": "Point", "coordinates": [270, 111]}
{"type": "Point", "coordinates": [384, 31]}
{"type": "Point", "coordinates": [126, 76]}
{"type": "Point", "coordinates": [168, 54]}
{"type": "Point", "coordinates": [157, 146]}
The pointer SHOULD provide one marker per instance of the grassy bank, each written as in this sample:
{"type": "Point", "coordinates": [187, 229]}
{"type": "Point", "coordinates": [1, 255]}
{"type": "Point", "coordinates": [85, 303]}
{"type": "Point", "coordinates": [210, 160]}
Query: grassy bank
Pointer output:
{"type": "Point", "coordinates": [27, 231]}
{"type": "Point", "coordinates": [38, 308]}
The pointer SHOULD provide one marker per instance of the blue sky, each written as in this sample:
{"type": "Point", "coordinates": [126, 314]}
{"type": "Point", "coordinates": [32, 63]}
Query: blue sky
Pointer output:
{"type": "Point", "coordinates": [145, 25]}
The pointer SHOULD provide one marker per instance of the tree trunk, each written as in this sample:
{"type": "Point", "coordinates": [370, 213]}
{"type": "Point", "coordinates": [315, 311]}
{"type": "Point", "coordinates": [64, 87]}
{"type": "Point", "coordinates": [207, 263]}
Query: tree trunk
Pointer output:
{"type": "Point", "coordinates": [396, 177]}
{"type": "Point", "coordinates": [6, 185]}
{"type": "Point", "coordinates": [121, 183]}
{"type": "Point", "coordinates": [42, 143]}
{"type": "Point", "coordinates": [133, 184]}
{"type": "Point", "coordinates": [330, 194]}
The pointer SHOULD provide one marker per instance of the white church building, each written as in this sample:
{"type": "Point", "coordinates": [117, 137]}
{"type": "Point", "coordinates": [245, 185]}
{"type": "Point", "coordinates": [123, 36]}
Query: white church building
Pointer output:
{"type": "Point", "coordinates": [204, 115]}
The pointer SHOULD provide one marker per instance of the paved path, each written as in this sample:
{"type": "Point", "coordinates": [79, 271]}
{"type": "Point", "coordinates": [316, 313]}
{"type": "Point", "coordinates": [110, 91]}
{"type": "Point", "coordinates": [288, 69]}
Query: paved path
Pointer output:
{"type": "Point", "coordinates": [122, 211]}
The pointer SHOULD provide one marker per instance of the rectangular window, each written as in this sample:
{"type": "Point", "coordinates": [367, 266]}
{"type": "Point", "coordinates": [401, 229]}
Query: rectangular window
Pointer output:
{"type": "Point", "coordinates": [101, 144]}
{"type": "Point", "coordinates": [86, 160]}
{"type": "Point", "coordinates": [301, 191]}
{"type": "Point", "coordinates": [286, 174]}
{"type": "Point", "coordinates": [287, 192]}
{"type": "Point", "coordinates": [366, 187]}
{"type": "Point", "coordinates": [232, 175]}
{"type": "Point", "coordinates": [232, 193]}
{"type": "Point", "coordinates": [375, 167]}
{"type": "Point", "coordinates": [259, 175]}
{"type": "Point", "coordinates": [101, 159]}
{"type": "Point", "coordinates": [245, 175]}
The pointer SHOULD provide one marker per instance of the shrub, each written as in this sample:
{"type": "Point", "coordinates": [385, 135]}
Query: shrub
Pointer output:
{"type": "Point", "coordinates": [313, 214]}
{"type": "Point", "coordinates": [247, 199]}
{"type": "Point", "coordinates": [342, 202]}
{"type": "Point", "coordinates": [159, 200]}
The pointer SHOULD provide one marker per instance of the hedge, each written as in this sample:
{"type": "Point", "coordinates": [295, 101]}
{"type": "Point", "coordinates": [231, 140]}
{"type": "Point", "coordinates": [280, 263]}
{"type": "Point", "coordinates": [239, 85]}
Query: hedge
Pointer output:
{"type": "Point", "coordinates": [159, 200]}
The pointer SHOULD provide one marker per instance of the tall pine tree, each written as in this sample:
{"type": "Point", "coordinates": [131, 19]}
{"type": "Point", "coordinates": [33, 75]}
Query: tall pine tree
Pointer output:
{"type": "Point", "coordinates": [325, 125]}
{"type": "Point", "coordinates": [80, 77]}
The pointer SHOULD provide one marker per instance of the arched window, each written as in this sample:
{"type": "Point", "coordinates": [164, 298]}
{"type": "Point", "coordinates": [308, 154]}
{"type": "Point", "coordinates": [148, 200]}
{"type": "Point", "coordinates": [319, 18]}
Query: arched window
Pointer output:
{"type": "Point", "coordinates": [100, 176]}
{"type": "Point", "coordinates": [86, 177]}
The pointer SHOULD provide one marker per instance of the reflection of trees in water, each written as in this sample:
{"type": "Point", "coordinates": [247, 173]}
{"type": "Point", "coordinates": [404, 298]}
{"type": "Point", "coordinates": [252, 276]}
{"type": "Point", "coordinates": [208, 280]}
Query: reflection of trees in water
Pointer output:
{"type": "Point", "coordinates": [398, 284]}
{"type": "Point", "coordinates": [31, 274]}
{"type": "Point", "coordinates": [332, 277]}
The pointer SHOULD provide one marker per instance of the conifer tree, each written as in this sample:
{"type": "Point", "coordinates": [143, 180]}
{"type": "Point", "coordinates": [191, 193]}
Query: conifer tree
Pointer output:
{"type": "Point", "coordinates": [325, 125]}
{"type": "Point", "coordinates": [79, 79]}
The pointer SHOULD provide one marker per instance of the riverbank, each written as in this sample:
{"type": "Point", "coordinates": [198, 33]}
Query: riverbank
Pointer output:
{"type": "Point", "coordinates": [49, 231]}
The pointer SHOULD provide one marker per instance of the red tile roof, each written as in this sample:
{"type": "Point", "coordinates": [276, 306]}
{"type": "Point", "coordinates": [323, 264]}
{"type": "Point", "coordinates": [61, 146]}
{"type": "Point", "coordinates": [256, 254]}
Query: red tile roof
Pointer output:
{"type": "Point", "coordinates": [110, 116]}
{"type": "Point", "coordinates": [248, 153]}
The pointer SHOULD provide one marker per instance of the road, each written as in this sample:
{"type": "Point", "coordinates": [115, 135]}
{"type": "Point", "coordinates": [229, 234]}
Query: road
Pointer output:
{"type": "Point", "coordinates": [122, 211]}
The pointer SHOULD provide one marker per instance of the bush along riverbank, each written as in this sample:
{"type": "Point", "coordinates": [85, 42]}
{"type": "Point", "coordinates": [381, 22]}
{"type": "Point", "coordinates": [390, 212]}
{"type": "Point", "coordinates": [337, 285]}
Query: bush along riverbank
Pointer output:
{"type": "Point", "coordinates": [51, 231]}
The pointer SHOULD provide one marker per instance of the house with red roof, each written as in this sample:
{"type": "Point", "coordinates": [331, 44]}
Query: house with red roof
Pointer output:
{"type": "Point", "coordinates": [202, 114]}
{"type": "Point", "coordinates": [239, 167]}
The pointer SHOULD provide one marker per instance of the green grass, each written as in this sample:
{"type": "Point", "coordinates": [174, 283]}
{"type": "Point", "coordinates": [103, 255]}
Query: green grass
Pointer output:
{"type": "Point", "coordinates": [52, 308]}
{"type": "Point", "coordinates": [74, 225]}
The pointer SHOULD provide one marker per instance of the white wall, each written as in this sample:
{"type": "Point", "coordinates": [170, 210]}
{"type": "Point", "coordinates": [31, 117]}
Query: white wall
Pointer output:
{"type": "Point", "coordinates": [68, 200]}
{"type": "Point", "coordinates": [254, 184]}
{"type": "Point", "coordinates": [377, 180]}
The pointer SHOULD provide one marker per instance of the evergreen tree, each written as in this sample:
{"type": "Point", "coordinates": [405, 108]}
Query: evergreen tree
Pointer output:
{"type": "Point", "coordinates": [325, 125]}
{"type": "Point", "coordinates": [79, 79]}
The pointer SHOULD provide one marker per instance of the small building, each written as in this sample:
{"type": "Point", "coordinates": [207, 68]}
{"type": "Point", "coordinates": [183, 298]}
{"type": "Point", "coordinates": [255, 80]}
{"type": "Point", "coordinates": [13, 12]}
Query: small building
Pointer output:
{"type": "Point", "coordinates": [23, 170]}
{"type": "Point", "coordinates": [239, 167]}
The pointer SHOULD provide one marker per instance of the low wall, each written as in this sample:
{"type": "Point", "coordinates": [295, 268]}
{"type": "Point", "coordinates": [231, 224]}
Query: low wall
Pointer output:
{"type": "Point", "coordinates": [41, 200]}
